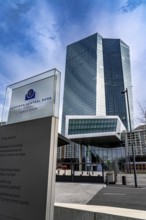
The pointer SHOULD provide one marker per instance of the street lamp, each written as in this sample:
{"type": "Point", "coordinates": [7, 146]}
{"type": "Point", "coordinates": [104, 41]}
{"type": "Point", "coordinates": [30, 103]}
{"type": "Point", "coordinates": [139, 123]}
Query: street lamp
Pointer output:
{"type": "Point", "coordinates": [133, 154]}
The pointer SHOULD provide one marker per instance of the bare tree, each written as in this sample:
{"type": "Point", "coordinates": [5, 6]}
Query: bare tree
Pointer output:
{"type": "Point", "coordinates": [142, 118]}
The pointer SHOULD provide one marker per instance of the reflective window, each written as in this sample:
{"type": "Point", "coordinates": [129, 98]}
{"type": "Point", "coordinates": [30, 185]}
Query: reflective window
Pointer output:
{"type": "Point", "coordinates": [84, 126]}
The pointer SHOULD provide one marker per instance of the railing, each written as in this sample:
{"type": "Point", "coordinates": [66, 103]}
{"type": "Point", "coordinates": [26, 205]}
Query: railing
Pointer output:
{"type": "Point", "coordinates": [81, 172]}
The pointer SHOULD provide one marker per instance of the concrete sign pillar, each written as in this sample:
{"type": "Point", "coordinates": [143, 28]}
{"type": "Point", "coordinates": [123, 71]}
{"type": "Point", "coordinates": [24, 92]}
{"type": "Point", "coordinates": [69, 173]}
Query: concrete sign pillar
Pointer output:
{"type": "Point", "coordinates": [27, 169]}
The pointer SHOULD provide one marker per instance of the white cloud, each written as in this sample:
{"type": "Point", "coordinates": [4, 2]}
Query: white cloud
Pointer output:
{"type": "Point", "coordinates": [48, 51]}
{"type": "Point", "coordinates": [131, 5]}
{"type": "Point", "coordinates": [133, 32]}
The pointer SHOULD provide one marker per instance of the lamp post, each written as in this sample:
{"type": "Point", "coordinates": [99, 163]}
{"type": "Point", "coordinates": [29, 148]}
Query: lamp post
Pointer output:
{"type": "Point", "coordinates": [133, 154]}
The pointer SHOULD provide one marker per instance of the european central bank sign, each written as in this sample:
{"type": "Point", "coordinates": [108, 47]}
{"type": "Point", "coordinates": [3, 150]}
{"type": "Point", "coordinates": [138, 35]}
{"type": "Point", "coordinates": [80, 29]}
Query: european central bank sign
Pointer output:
{"type": "Point", "coordinates": [28, 148]}
{"type": "Point", "coordinates": [36, 97]}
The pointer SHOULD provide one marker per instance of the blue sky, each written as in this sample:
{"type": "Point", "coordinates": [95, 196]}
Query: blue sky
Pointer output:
{"type": "Point", "coordinates": [34, 35]}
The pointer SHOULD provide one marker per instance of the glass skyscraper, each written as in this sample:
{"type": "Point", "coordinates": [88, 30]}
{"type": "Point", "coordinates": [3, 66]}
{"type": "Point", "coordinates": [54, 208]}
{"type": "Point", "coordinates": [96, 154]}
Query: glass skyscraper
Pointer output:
{"type": "Point", "coordinates": [117, 77]}
{"type": "Point", "coordinates": [97, 71]}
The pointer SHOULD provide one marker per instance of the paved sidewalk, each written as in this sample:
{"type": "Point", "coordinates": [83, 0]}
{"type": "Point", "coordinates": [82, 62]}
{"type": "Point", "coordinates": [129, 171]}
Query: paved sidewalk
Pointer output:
{"type": "Point", "coordinates": [79, 193]}
{"type": "Point", "coordinates": [121, 196]}
{"type": "Point", "coordinates": [100, 194]}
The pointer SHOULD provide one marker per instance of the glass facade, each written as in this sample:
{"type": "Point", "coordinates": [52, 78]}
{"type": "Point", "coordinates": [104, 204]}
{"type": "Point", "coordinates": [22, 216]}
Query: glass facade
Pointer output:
{"type": "Point", "coordinates": [100, 91]}
{"type": "Point", "coordinates": [86, 126]}
{"type": "Point", "coordinates": [109, 153]}
{"type": "Point", "coordinates": [125, 57]}
{"type": "Point", "coordinates": [117, 76]}
{"type": "Point", "coordinates": [97, 71]}
{"type": "Point", "coordinates": [81, 78]}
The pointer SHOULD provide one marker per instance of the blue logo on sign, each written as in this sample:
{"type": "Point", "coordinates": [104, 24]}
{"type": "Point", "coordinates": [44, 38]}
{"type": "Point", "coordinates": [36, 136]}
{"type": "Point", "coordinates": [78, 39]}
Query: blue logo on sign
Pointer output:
{"type": "Point", "coordinates": [30, 94]}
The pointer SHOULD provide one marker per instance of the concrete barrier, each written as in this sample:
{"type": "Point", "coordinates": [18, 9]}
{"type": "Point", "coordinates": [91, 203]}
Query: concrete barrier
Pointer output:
{"type": "Point", "coordinates": [88, 212]}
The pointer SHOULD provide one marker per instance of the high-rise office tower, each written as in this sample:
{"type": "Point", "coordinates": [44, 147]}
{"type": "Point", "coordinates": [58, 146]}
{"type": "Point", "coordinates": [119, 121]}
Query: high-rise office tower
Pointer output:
{"type": "Point", "coordinates": [97, 71]}
{"type": "Point", "coordinates": [117, 77]}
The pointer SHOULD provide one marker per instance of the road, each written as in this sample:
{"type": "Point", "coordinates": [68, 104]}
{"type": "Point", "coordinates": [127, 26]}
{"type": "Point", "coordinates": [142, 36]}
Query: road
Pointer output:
{"type": "Point", "coordinates": [121, 196]}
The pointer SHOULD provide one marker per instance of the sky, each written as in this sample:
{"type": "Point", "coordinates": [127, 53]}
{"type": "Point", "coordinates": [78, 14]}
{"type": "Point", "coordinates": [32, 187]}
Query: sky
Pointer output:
{"type": "Point", "coordinates": [34, 35]}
